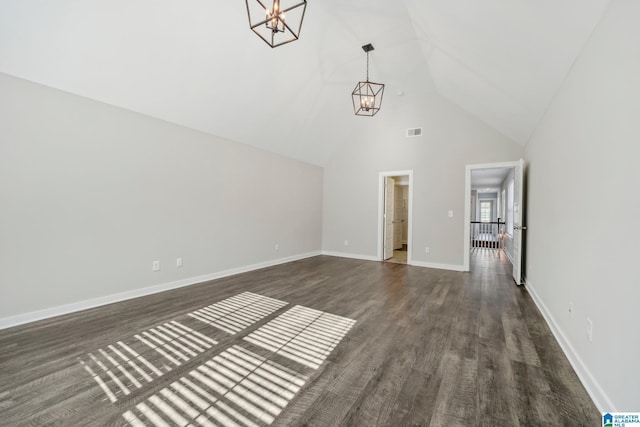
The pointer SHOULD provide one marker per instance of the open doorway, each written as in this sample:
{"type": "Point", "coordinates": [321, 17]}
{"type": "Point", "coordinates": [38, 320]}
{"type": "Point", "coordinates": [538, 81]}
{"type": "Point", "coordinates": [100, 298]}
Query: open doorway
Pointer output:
{"type": "Point", "coordinates": [395, 206]}
{"type": "Point", "coordinates": [491, 204]}
{"type": "Point", "coordinates": [493, 218]}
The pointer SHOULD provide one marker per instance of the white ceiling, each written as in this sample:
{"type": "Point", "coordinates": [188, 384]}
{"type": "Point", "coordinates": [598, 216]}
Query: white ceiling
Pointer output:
{"type": "Point", "coordinates": [197, 63]}
{"type": "Point", "coordinates": [485, 180]}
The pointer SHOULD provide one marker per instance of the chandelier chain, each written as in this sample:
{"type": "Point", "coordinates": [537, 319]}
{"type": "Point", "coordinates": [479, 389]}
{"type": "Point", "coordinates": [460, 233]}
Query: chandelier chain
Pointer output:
{"type": "Point", "coordinates": [367, 66]}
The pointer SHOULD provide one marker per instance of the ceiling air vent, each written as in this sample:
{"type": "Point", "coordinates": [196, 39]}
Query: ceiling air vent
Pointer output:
{"type": "Point", "coordinates": [414, 132]}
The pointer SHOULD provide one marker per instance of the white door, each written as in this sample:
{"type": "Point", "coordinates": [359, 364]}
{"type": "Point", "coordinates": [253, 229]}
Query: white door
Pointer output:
{"type": "Point", "coordinates": [518, 226]}
{"type": "Point", "coordinates": [398, 217]}
{"type": "Point", "coordinates": [389, 197]}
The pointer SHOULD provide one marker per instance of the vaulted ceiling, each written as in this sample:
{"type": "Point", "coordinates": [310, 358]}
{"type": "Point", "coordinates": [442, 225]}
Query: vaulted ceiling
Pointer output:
{"type": "Point", "coordinates": [197, 64]}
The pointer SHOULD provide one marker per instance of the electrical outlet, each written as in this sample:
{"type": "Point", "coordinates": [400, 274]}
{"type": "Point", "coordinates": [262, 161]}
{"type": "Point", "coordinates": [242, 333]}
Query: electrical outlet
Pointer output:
{"type": "Point", "coordinates": [155, 266]}
{"type": "Point", "coordinates": [589, 329]}
{"type": "Point", "coordinates": [346, 243]}
{"type": "Point", "coordinates": [277, 247]}
{"type": "Point", "coordinates": [427, 250]}
{"type": "Point", "coordinates": [450, 214]}
{"type": "Point", "coordinates": [570, 310]}
{"type": "Point", "coordinates": [179, 262]}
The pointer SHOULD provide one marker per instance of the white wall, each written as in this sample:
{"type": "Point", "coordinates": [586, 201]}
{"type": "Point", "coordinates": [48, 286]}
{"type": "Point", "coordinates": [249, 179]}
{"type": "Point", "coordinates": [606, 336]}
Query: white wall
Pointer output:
{"type": "Point", "coordinates": [583, 249]}
{"type": "Point", "coordinates": [90, 194]}
{"type": "Point", "coordinates": [452, 138]}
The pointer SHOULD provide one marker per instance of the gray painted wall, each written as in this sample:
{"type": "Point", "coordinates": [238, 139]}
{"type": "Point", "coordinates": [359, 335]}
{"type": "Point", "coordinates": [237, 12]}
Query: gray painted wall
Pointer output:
{"type": "Point", "coordinates": [91, 194]}
{"type": "Point", "coordinates": [583, 249]}
{"type": "Point", "coordinates": [452, 138]}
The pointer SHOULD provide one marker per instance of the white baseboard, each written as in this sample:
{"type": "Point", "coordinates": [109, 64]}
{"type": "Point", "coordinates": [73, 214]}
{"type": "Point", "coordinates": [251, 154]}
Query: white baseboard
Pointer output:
{"type": "Point", "coordinates": [508, 254]}
{"type": "Point", "coordinates": [354, 256]}
{"type": "Point", "coordinates": [439, 266]}
{"type": "Point", "coordinates": [452, 267]}
{"type": "Point", "coordinates": [33, 316]}
{"type": "Point", "coordinates": [595, 391]}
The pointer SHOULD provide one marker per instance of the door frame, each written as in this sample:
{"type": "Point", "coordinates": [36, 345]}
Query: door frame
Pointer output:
{"type": "Point", "coordinates": [467, 202]}
{"type": "Point", "coordinates": [381, 207]}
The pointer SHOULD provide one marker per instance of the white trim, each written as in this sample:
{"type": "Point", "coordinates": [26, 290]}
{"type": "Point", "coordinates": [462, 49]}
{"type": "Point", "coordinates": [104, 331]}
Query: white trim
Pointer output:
{"type": "Point", "coordinates": [33, 316]}
{"type": "Point", "coordinates": [381, 176]}
{"type": "Point", "coordinates": [353, 256]}
{"type": "Point", "coordinates": [595, 391]}
{"type": "Point", "coordinates": [467, 202]}
{"type": "Point", "coordinates": [508, 254]}
{"type": "Point", "coordinates": [452, 267]}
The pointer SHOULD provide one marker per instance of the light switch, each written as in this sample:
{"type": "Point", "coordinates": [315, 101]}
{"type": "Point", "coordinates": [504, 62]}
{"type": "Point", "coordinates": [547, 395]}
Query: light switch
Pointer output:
{"type": "Point", "coordinates": [450, 214]}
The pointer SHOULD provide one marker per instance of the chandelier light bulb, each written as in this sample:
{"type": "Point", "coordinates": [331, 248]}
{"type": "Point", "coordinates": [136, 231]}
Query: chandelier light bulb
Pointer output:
{"type": "Point", "coordinates": [268, 21]}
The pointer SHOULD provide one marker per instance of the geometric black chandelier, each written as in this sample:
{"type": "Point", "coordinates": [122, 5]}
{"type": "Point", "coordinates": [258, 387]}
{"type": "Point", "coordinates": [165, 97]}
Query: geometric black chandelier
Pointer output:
{"type": "Point", "coordinates": [277, 22]}
{"type": "Point", "coordinates": [367, 96]}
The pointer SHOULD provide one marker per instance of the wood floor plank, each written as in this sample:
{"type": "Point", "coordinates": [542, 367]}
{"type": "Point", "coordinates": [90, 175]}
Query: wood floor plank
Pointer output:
{"type": "Point", "coordinates": [531, 395]}
{"type": "Point", "coordinates": [518, 342]}
{"type": "Point", "coordinates": [335, 402]}
{"type": "Point", "coordinates": [415, 402]}
{"type": "Point", "coordinates": [457, 395]}
{"type": "Point", "coordinates": [428, 347]}
{"type": "Point", "coordinates": [377, 400]}
{"type": "Point", "coordinates": [495, 379]}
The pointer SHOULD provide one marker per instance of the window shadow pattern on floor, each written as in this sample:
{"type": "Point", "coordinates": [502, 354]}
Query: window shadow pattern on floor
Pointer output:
{"type": "Point", "coordinates": [238, 386]}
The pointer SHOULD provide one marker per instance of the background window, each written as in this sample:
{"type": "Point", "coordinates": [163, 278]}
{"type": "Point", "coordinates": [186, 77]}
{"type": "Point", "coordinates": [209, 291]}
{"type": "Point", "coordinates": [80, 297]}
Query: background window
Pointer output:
{"type": "Point", "coordinates": [485, 211]}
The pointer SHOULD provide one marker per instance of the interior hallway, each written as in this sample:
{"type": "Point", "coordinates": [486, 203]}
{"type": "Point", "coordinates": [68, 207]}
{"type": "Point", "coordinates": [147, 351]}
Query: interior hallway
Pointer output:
{"type": "Point", "coordinates": [370, 343]}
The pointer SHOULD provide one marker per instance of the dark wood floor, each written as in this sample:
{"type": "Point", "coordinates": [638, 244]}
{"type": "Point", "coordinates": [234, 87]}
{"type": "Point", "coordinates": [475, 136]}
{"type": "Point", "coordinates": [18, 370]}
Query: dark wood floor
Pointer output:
{"type": "Point", "coordinates": [428, 347]}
